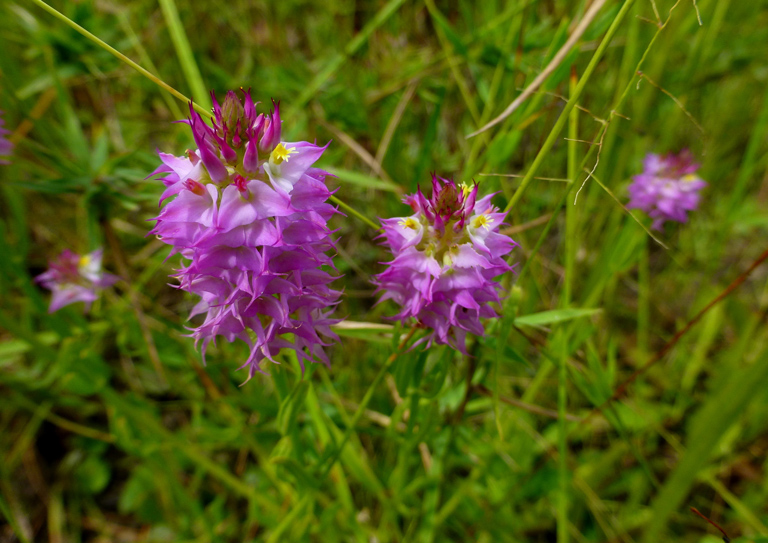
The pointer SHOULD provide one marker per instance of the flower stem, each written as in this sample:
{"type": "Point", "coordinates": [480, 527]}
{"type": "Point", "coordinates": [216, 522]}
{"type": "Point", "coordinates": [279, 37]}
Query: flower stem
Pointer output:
{"type": "Point", "coordinates": [356, 213]}
{"type": "Point", "coordinates": [364, 403]}
{"type": "Point", "coordinates": [101, 43]}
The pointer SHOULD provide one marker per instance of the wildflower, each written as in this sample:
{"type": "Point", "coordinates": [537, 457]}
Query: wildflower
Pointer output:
{"type": "Point", "coordinates": [249, 217]}
{"type": "Point", "coordinates": [5, 146]}
{"type": "Point", "coordinates": [446, 256]}
{"type": "Point", "coordinates": [667, 189]}
{"type": "Point", "coordinates": [74, 278]}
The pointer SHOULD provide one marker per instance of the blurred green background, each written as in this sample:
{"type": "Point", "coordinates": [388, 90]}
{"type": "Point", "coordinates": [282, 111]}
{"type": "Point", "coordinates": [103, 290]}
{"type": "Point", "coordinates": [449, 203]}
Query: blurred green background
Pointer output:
{"type": "Point", "coordinates": [111, 428]}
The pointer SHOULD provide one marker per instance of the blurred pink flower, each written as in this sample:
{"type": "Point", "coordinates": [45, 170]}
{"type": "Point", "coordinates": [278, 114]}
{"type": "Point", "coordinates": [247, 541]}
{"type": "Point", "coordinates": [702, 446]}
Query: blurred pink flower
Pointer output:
{"type": "Point", "coordinates": [667, 189]}
{"type": "Point", "coordinates": [74, 278]}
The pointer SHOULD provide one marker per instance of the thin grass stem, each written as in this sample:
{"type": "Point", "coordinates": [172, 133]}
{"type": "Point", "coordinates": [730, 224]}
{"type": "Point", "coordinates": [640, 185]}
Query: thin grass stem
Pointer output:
{"type": "Point", "coordinates": [101, 43]}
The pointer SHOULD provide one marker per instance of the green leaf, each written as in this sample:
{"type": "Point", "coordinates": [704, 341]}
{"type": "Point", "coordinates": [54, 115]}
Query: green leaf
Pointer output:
{"type": "Point", "coordinates": [362, 180]}
{"type": "Point", "coordinates": [100, 152]}
{"type": "Point", "coordinates": [93, 474]}
{"type": "Point", "coordinates": [554, 316]}
{"type": "Point", "coordinates": [136, 490]}
{"type": "Point", "coordinates": [365, 331]}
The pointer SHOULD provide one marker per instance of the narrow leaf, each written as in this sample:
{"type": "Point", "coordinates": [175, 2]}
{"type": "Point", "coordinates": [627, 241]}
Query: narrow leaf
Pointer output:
{"type": "Point", "coordinates": [554, 316]}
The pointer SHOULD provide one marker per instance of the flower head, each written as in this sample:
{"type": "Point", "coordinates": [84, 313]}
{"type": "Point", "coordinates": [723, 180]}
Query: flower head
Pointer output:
{"type": "Point", "coordinates": [667, 189]}
{"type": "Point", "coordinates": [249, 216]}
{"type": "Point", "coordinates": [74, 278]}
{"type": "Point", "coordinates": [5, 146]}
{"type": "Point", "coordinates": [446, 256]}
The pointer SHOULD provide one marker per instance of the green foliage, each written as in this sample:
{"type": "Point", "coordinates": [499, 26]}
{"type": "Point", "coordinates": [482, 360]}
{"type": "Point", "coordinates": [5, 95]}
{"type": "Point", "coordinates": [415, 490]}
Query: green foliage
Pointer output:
{"type": "Point", "coordinates": [111, 427]}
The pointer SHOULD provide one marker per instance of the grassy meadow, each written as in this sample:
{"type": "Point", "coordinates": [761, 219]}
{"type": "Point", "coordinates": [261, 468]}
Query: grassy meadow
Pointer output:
{"type": "Point", "coordinates": [609, 398]}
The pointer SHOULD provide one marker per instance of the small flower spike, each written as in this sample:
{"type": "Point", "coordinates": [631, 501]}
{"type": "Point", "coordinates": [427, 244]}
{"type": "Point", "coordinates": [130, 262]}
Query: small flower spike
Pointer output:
{"type": "Point", "coordinates": [74, 278]}
{"type": "Point", "coordinates": [446, 256]}
{"type": "Point", "coordinates": [248, 213]}
{"type": "Point", "coordinates": [667, 189]}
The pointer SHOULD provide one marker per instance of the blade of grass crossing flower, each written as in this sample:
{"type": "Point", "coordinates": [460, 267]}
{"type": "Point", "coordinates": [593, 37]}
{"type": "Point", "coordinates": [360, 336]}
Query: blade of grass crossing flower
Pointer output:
{"type": "Point", "coordinates": [356, 213]}
{"type": "Point", "coordinates": [101, 43]}
{"type": "Point", "coordinates": [362, 180]}
{"type": "Point", "coordinates": [184, 52]}
{"type": "Point", "coordinates": [554, 316]}
{"type": "Point", "coordinates": [555, 132]}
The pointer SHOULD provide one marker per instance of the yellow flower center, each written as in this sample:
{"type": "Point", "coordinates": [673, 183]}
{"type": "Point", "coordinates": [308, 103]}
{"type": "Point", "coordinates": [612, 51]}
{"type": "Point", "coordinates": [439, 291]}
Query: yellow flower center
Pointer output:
{"type": "Point", "coordinates": [689, 178]}
{"type": "Point", "coordinates": [410, 222]}
{"type": "Point", "coordinates": [482, 220]}
{"type": "Point", "coordinates": [281, 153]}
{"type": "Point", "coordinates": [84, 261]}
{"type": "Point", "coordinates": [466, 189]}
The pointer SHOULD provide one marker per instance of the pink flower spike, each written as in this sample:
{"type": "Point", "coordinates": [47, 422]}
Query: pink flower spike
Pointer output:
{"type": "Point", "coordinates": [253, 235]}
{"type": "Point", "coordinates": [446, 257]}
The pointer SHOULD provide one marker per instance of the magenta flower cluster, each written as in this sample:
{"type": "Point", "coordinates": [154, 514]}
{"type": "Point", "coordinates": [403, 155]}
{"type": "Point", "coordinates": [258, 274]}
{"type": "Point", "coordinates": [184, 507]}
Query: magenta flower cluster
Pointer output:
{"type": "Point", "coordinates": [446, 256]}
{"type": "Point", "coordinates": [249, 216]}
{"type": "Point", "coordinates": [5, 146]}
{"type": "Point", "coordinates": [667, 189]}
{"type": "Point", "coordinates": [74, 278]}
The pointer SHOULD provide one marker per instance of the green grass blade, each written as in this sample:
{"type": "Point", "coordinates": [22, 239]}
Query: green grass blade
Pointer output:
{"type": "Point", "coordinates": [716, 416]}
{"type": "Point", "coordinates": [184, 52]}
{"type": "Point", "coordinates": [554, 316]}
